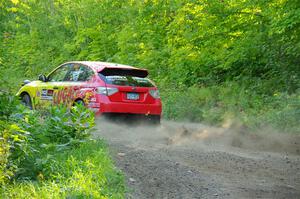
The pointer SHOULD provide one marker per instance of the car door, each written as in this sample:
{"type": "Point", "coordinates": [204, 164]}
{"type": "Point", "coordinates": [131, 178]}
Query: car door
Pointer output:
{"type": "Point", "coordinates": [48, 91]}
{"type": "Point", "coordinates": [77, 83]}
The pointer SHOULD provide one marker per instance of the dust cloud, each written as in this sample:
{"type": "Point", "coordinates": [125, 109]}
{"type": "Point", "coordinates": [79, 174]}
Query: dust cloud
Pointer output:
{"type": "Point", "coordinates": [231, 135]}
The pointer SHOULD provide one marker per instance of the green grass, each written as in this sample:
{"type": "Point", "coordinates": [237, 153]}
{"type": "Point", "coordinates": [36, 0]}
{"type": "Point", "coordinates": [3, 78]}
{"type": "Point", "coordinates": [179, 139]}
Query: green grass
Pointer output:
{"type": "Point", "coordinates": [83, 172]}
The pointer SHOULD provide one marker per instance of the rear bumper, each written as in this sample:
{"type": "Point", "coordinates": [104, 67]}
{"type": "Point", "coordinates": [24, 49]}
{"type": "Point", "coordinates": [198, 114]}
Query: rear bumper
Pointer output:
{"type": "Point", "coordinates": [123, 107]}
{"type": "Point", "coordinates": [146, 109]}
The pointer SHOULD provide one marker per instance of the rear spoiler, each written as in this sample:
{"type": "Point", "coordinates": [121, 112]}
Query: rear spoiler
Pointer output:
{"type": "Point", "coordinates": [124, 72]}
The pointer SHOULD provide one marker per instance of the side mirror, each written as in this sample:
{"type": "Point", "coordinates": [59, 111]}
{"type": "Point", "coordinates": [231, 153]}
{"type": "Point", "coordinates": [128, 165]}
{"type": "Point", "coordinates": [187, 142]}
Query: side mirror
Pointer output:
{"type": "Point", "coordinates": [26, 82]}
{"type": "Point", "coordinates": [42, 78]}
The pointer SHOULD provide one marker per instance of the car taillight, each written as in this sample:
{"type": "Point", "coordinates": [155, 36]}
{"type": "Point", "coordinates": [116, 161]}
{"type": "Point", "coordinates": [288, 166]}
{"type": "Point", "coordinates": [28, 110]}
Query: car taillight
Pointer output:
{"type": "Point", "coordinates": [107, 90]}
{"type": "Point", "coordinates": [154, 94]}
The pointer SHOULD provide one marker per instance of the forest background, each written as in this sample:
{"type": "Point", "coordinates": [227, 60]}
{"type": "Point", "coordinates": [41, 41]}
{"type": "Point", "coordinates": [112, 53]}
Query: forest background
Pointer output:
{"type": "Point", "coordinates": [213, 60]}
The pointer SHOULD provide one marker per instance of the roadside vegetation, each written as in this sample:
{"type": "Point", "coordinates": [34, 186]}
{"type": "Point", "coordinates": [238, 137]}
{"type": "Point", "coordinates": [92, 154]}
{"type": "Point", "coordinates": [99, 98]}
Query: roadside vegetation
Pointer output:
{"type": "Point", "coordinates": [49, 154]}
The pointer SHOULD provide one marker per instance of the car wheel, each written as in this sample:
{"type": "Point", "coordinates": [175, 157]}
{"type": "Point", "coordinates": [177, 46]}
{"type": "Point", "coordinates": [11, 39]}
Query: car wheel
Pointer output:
{"type": "Point", "coordinates": [155, 119]}
{"type": "Point", "coordinates": [25, 99]}
{"type": "Point", "coordinates": [81, 102]}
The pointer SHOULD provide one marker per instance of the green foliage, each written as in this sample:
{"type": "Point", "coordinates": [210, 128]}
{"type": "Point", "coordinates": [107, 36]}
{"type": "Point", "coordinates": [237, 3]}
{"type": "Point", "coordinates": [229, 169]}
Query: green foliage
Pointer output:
{"type": "Point", "coordinates": [232, 101]}
{"type": "Point", "coordinates": [65, 126]}
{"type": "Point", "coordinates": [186, 45]}
{"type": "Point", "coordinates": [13, 139]}
{"type": "Point", "coordinates": [48, 154]}
{"type": "Point", "coordinates": [30, 138]}
{"type": "Point", "coordinates": [186, 42]}
{"type": "Point", "coordinates": [60, 129]}
{"type": "Point", "coordinates": [8, 105]}
{"type": "Point", "coordinates": [5, 172]}
{"type": "Point", "coordinates": [84, 172]}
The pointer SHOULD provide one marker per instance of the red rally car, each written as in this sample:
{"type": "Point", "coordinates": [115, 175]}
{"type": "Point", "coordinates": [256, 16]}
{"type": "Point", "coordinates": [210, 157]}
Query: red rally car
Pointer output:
{"type": "Point", "coordinates": [102, 87]}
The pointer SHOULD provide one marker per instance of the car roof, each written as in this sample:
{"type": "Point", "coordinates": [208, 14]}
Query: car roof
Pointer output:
{"type": "Point", "coordinates": [99, 66]}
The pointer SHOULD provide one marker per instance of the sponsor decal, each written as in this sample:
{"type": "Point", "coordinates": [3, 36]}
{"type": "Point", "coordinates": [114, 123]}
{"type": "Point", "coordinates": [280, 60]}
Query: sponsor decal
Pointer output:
{"type": "Point", "coordinates": [94, 105]}
{"type": "Point", "coordinates": [93, 99]}
{"type": "Point", "coordinates": [47, 94]}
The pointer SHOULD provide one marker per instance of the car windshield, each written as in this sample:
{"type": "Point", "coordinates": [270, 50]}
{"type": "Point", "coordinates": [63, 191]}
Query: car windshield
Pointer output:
{"type": "Point", "coordinates": [126, 80]}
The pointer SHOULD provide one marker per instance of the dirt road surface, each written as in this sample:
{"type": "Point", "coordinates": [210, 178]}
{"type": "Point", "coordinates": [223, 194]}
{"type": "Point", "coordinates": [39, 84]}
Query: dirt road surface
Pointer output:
{"type": "Point", "coordinates": [186, 160]}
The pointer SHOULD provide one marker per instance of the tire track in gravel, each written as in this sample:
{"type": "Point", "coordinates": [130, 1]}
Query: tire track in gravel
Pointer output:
{"type": "Point", "coordinates": [187, 160]}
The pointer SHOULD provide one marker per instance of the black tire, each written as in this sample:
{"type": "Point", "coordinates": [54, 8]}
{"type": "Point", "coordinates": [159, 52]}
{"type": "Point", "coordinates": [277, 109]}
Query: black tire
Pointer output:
{"type": "Point", "coordinates": [155, 119]}
{"type": "Point", "coordinates": [26, 100]}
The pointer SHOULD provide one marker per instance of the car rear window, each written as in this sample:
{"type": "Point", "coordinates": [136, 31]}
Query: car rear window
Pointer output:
{"type": "Point", "coordinates": [126, 80]}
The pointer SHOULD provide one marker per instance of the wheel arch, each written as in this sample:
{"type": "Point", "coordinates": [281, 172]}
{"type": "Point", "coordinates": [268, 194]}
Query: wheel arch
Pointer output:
{"type": "Point", "coordinates": [78, 99]}
{"type": "Point", "coordinates": [24, 93]}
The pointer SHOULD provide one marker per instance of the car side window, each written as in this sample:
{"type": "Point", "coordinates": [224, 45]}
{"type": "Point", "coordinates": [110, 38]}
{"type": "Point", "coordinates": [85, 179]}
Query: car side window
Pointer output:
{"type": "Point", "coordinates": [59, 74]}
{"type": "Point", "coordinates": [79, 73]}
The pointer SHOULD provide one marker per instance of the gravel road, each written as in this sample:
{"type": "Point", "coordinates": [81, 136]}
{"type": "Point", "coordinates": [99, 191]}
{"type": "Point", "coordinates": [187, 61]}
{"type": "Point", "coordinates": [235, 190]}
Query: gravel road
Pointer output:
{"type": "Point", "coordinates": [188, 160]}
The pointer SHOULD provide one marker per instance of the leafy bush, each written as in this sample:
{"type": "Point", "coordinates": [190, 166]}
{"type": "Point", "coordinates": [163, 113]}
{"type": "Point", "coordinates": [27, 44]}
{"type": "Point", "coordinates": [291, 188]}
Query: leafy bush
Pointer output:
{"type": "Point", "coordinates": [13, 139]}
{"type": "Point", "coordinates": [30, 138]}
{"type": "Point", "coordinates": [48, 154]}
{"type": "Point", "coordinates": [83, 172]}
{"type": "Point", "coordinates": [8, 105]}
